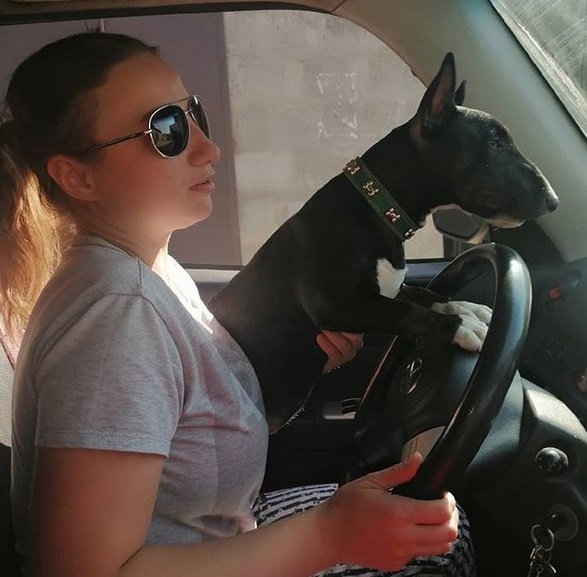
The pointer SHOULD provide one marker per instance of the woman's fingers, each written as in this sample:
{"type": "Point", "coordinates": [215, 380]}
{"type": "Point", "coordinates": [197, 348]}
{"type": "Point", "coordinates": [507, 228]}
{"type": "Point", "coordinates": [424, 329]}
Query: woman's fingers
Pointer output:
{"type": "Point", "coordinates": [397, 475]}
{"type": "Point", "coordinates": [436, 511]}
{"type": "Point", "coordinates": [434, 534]}
{"type": "Point", "coordinates": [339, 347]}
{"type": "Point", "coordinates": [396, 529]}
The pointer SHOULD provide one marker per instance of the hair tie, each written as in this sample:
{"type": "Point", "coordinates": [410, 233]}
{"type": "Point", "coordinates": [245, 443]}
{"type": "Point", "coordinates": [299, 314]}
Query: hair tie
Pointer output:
{"type": "Point", "coordinates": [5, 116]}
{"type": "Point", "coordinates": [8, 136]}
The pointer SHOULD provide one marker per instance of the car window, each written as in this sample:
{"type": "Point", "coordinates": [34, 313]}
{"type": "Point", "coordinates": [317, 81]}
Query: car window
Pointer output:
{"type": "Point", "coordinates": [555, 36]}
{"type": "Point", "coordinates": [308, 92]}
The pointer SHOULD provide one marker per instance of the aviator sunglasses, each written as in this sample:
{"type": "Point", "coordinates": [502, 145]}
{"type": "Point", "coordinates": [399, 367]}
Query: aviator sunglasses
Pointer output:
{"type": "Point", "coordinates": [168, 127]}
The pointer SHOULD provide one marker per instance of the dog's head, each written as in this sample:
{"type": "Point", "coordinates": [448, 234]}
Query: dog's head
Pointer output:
{"type": "Point", "coordinates": [472, 159]}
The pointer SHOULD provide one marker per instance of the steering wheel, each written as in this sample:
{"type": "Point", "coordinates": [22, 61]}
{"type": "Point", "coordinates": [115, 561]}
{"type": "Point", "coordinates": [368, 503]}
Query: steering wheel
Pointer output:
{"type": "Point", "coordinates": [426, 392]}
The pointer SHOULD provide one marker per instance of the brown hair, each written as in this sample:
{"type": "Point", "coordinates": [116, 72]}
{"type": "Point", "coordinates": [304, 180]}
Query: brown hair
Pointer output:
{"type": "Point", "coordinates": [51, 104]}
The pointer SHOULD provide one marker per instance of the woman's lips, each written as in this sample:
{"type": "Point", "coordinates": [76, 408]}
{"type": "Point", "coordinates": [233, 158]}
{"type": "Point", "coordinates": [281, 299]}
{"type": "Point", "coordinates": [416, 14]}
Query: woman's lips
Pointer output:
{"type": "Point", "coordinates": [204, 186]}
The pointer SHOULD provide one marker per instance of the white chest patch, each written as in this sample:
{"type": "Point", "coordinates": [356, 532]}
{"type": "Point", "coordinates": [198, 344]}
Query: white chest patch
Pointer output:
{"type": "Point", "coordinates": [389, 279]}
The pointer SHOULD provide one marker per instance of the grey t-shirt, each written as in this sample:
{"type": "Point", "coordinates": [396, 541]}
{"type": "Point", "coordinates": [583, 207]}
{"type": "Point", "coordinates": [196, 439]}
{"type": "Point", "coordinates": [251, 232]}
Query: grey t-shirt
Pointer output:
{"type": "Point", "coordinates": [115, 358]}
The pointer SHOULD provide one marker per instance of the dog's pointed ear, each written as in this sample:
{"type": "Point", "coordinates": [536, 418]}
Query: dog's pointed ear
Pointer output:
{"type": "Point", "coordinates": [438, 102]}
{"type": "Point", "coordinates": [460, 94]}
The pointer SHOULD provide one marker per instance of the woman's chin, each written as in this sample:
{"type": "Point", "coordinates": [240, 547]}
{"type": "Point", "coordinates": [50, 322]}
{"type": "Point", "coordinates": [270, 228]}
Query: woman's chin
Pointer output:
{"type": "Point", "coordinates": [200, 212]}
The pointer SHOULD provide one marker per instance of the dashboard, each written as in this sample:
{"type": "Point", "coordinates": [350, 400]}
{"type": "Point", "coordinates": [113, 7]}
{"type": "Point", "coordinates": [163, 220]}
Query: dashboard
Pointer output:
{"type": "Point", "coordinates": [555, 356]}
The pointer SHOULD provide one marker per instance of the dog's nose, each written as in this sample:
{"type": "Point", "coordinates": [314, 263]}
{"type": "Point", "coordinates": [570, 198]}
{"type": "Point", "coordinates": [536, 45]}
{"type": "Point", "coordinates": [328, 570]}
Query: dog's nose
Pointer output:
{"type": "Point", "coordinates": [552, 202]}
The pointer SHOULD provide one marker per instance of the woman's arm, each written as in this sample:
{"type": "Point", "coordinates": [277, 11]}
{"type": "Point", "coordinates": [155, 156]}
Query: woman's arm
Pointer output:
{"type": "Point", "coordinates": [92, 509]}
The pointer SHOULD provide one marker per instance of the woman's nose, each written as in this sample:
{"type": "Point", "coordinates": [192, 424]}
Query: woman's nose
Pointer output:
{"type": "Point", "coordinates": [203, 149]}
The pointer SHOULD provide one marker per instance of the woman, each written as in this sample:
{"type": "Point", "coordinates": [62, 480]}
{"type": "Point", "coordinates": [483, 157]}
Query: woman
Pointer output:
{"type": "Point", "coordinates": [139, 436]}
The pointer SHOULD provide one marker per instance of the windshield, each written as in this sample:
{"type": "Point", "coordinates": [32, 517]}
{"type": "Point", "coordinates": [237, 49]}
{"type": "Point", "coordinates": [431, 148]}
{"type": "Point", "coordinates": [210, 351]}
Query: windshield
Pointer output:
{"type": "Point", "coordinates": [554, 33]}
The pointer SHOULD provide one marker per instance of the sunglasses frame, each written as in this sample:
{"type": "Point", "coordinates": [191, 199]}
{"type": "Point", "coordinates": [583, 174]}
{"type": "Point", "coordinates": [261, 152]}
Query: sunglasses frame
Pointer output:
{"type": "Point", "coordinates": [194, 101]}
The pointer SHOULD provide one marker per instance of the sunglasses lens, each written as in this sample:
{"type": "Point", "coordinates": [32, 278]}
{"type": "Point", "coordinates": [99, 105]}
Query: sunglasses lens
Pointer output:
{"type": "Point", "coordinates": [170, 130]}
{"type": "Point", "coordinates": [199, 116]}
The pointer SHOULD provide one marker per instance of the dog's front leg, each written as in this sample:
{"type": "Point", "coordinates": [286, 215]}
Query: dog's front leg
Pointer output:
{"type": "Point", "coordinates": [420, 296]}
{"type": "Point", "coordinates": [464, 308]}
{"type": "Point", "coordinates": [380, 314]}
{"type": "Point", "coordinates": [444, 305]}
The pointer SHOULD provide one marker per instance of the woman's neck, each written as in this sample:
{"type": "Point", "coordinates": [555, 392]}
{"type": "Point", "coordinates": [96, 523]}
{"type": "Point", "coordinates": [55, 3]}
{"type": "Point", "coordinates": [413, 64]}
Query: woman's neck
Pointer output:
{"type": "Point", "coordinates": [152, 251]}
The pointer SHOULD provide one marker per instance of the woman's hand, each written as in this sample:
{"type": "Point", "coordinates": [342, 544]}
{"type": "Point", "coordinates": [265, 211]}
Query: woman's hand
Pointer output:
{"type": "Point", "coordinates": [369, 526]}
{"type": "Point", "coordinates": [339, 347]}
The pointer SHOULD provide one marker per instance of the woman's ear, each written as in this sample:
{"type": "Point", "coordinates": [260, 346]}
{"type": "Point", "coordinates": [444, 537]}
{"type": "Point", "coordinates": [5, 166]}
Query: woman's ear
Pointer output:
{"type": "Point", "coordinates": [73, 176]}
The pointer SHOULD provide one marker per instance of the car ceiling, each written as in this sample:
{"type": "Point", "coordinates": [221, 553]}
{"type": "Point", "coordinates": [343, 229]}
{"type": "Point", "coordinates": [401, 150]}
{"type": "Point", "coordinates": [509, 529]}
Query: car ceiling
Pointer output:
{"type": "Point", "coordinates": [501, 79]}
{"type": "Point", "coordinates": [26, 10]}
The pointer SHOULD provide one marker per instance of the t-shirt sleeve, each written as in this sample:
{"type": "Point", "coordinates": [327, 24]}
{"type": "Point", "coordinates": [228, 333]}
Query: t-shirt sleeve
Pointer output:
{"type": "Point", "coordinates": [113, 380]}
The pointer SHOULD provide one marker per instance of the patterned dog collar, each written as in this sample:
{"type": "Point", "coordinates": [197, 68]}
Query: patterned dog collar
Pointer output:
{"type": "Point", "coordinates": [380, 199]}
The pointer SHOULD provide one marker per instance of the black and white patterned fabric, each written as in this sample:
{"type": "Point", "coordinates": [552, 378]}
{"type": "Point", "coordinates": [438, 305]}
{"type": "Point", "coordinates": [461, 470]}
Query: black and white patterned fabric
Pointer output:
{"type": "Point", "coordinates": [458, 562]}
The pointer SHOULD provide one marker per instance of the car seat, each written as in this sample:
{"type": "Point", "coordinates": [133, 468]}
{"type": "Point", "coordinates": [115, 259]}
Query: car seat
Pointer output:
{"type": "Point", "coordinates": [9, 559]}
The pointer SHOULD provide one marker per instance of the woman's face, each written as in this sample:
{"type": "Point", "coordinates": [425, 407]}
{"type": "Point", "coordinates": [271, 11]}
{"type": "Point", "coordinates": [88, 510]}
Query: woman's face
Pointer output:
{"type": "Point", "coordinates": [137, 191]}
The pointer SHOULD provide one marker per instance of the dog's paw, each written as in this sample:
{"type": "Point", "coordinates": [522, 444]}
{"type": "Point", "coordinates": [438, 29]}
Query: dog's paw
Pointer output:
{"type": "Point", "coordinates": [464, 309]}
{"type": "Point", "coordinates": [475, 319]}
{"type": "Point", "coordinates": [471, 333]}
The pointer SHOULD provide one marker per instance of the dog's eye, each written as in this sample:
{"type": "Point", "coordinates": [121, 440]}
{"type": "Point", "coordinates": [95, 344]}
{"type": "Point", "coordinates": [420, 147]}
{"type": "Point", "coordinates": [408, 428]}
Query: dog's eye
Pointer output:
{"type": "Point", "coordinates": [497, 143]}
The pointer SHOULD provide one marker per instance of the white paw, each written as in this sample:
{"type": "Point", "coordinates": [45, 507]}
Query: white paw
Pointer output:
{"type": "Point", "coordinates": [471, 334]}
{"type": "Point", "coordinates": [475, 320]}
{"type": "Point", "coordinates": [465, 309]}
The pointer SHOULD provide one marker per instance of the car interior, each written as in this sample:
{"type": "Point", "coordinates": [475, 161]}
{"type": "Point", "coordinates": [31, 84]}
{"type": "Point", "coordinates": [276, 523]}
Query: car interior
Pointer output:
{"type": "Point", "coordinates": [509, 424]}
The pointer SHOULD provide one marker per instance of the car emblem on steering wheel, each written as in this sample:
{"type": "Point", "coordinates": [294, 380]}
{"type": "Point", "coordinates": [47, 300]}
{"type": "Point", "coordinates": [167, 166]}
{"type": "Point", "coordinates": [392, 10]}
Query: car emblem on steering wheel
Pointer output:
{"type": "Point", "coordinates": [411, 376]}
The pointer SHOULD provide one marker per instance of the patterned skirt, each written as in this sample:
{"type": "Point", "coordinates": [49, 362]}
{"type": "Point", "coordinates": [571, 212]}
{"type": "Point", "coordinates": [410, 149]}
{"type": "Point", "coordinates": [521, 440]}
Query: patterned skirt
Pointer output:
{"type": "Point", "coordinates": [458, 562]}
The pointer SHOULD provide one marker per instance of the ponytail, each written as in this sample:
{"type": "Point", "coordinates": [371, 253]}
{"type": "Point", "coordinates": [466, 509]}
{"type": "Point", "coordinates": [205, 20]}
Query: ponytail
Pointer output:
{"type": "Point", "coordinates": [31, 236]}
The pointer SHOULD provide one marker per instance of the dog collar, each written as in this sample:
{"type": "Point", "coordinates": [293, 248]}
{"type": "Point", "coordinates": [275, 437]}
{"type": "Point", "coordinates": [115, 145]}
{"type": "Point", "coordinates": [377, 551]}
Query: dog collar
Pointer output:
{"type": "Point", "coordinates": [380, 199]}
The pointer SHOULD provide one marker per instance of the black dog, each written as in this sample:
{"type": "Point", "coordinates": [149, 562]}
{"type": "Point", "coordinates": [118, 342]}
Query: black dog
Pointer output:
{"type": "Point", "coordinates": [339, 262]}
